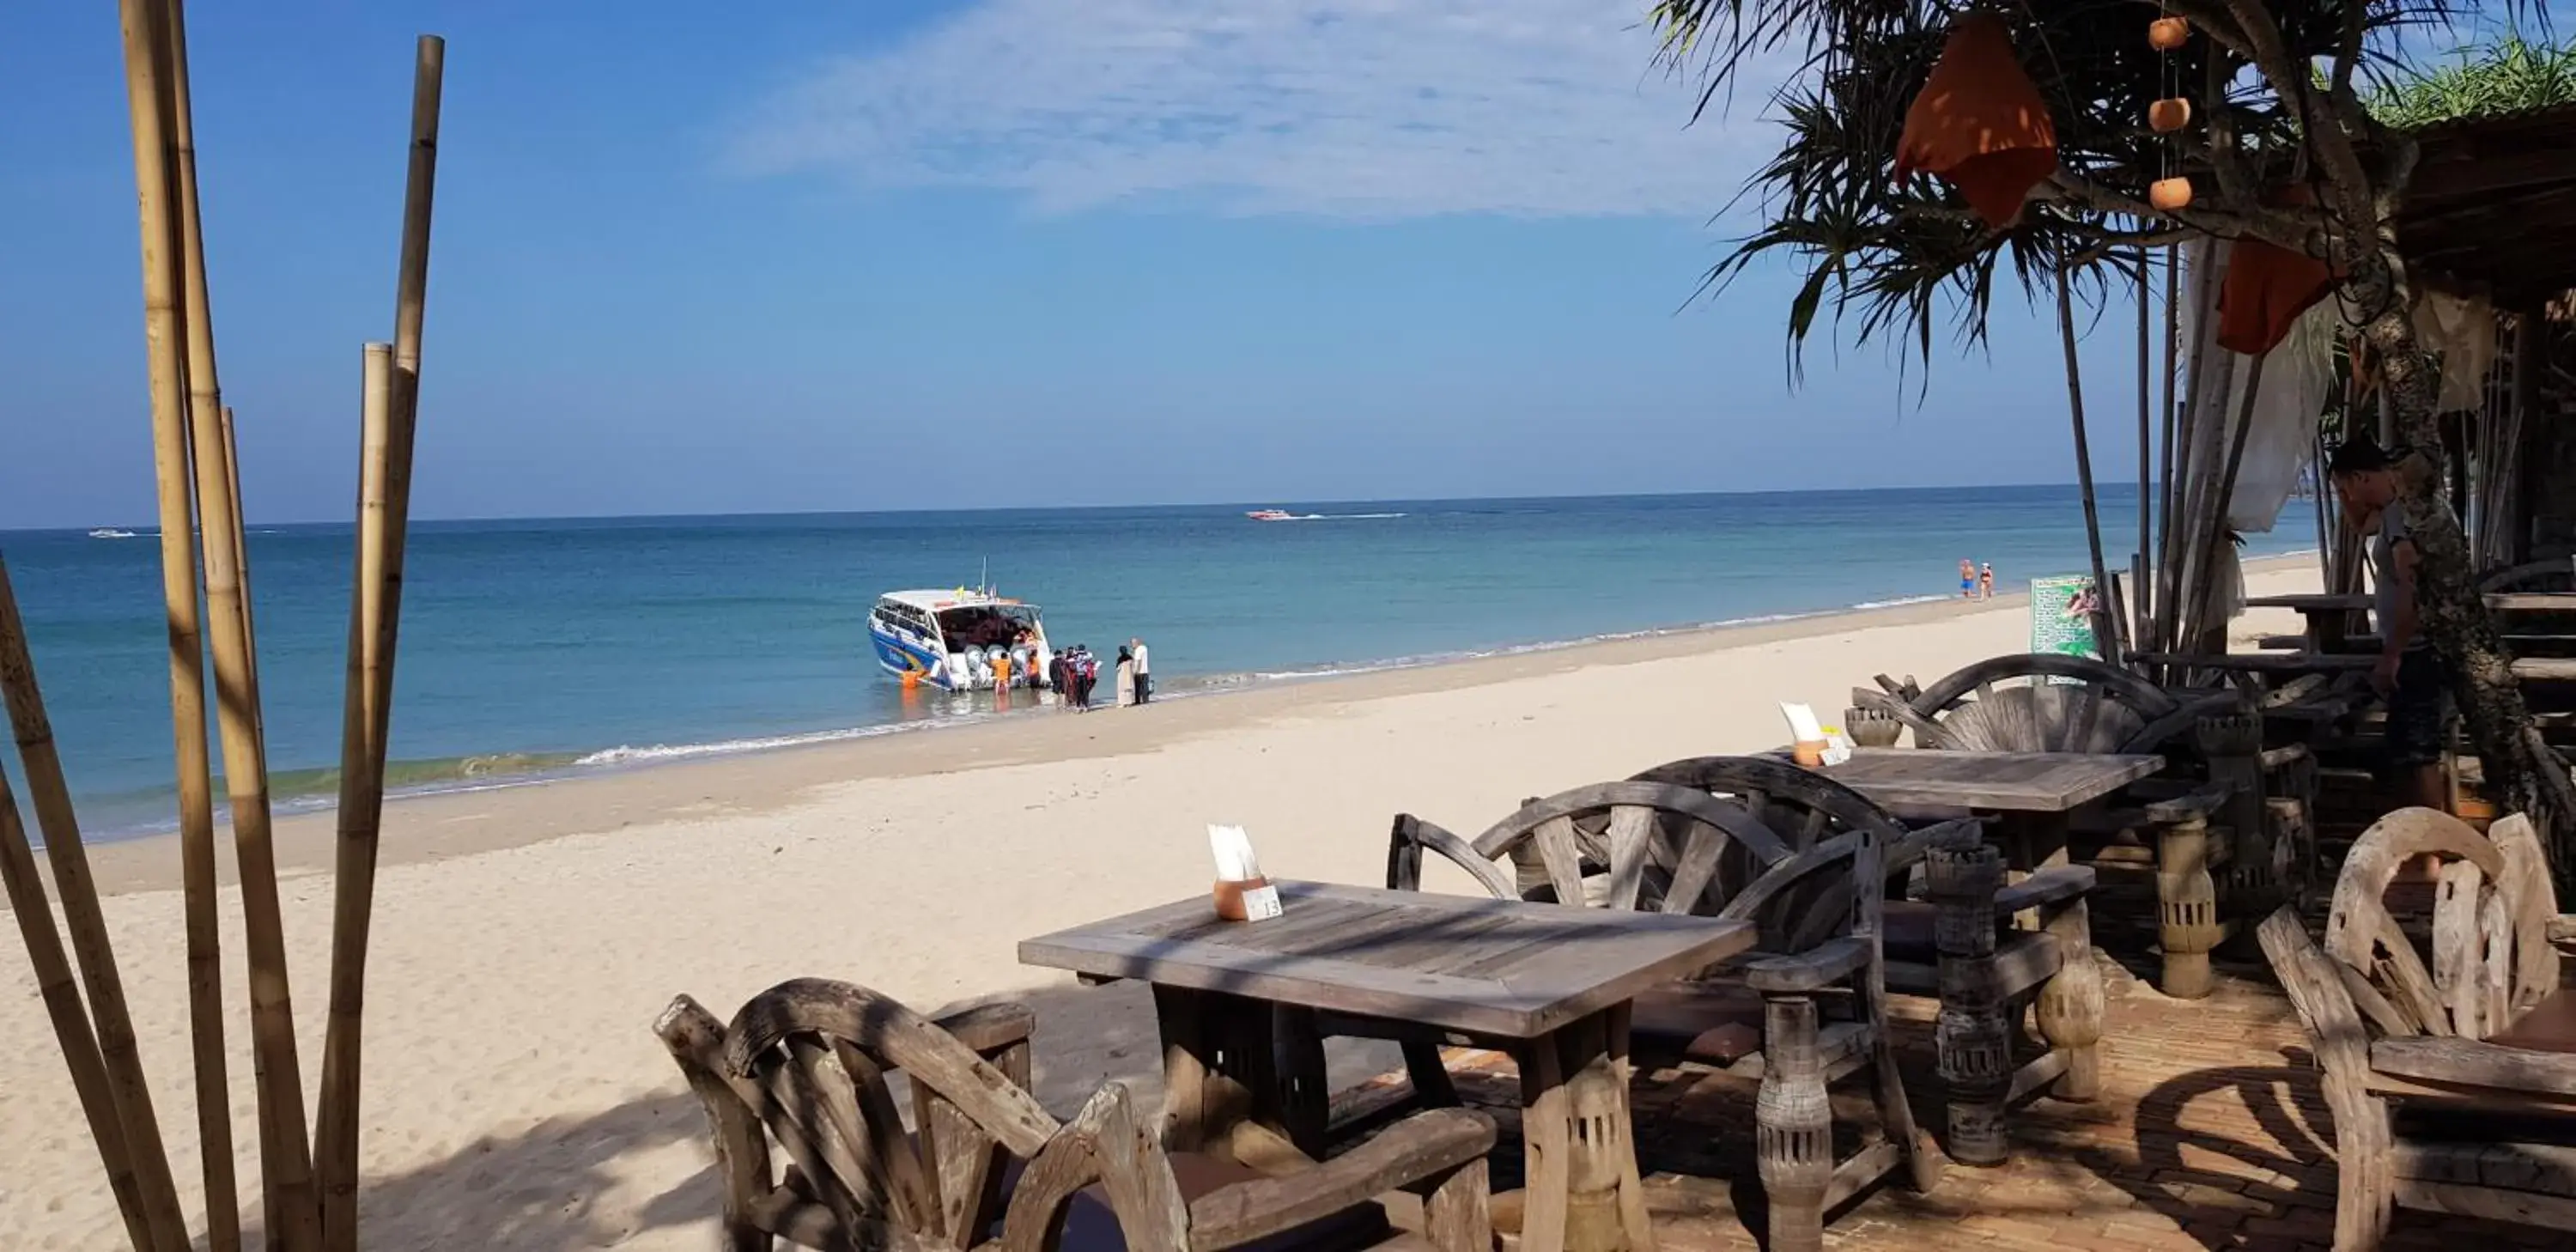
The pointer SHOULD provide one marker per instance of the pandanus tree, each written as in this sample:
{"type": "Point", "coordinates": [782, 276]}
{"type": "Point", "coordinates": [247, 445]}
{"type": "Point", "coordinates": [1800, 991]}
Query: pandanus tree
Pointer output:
{"type": "Point", "coordinates": [2156, 121]}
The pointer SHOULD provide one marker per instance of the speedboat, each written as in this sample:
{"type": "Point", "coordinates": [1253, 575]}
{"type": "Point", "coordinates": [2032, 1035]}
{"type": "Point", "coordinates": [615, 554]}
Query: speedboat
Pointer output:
{"type": "Point", "coordinates": [1271, 515]}
{"type": "Point", "coordinates": [954, 640]}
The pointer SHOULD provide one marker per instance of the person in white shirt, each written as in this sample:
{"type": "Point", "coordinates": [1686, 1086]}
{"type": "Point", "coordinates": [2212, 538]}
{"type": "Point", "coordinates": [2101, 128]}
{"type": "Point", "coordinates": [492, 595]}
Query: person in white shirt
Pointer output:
{"type": "Point", "coordinates": [1144, 672]}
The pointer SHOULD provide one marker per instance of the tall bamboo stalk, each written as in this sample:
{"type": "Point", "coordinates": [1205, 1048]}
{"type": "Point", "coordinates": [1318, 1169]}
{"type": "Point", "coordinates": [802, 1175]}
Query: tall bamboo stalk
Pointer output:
{"type": "Point", "coordinates": [2108, 640]}
{"type": "Point", "coordinates": [2211, 531]}
{"type": "Point", "coordinates": [72, 1029]}
{"type": "Point", "coordinates": [2168, 416]}
{"type": "Point", "coordinates": [205, 977]}
{"type": "Point", "coordinates": [362, 793]}
{"type": "Point", "coordinates": [144, 28]}
{"type": "Point", "coordinates": [390, 415]}
{"type": "Point", "coordinates": [151, 56]}
{"type": "Point", "coordinates": [2146, 462]}
{"type": "Point", "coordinates": [51, 798]}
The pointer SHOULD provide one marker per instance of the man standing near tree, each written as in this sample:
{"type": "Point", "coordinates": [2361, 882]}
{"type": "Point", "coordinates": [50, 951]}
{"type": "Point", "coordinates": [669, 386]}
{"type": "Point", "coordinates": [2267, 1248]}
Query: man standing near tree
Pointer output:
{"type": "Point", "coordinates": [2409, 674]}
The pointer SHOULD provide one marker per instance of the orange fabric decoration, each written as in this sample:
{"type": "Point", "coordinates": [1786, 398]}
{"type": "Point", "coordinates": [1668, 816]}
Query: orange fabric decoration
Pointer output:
{"type": "Point", "coordinates": [1980, 122]}
{"type": "Point", "coordinates": [2267, 287]}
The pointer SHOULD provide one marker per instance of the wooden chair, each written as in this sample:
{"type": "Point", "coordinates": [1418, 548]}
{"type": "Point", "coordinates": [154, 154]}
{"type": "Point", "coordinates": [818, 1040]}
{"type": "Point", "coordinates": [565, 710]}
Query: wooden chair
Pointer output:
{"type": "Point", "coordinates": [2555, 575]}
{"type": "Point", "coordinates": [2453, 1083]}
{"type": "Point", "coordinates": [1958, 945]}
{"type": "Point", "coordinates": [804, 1066]}
{"type": "Point", "coordinates": [1810, 1013]}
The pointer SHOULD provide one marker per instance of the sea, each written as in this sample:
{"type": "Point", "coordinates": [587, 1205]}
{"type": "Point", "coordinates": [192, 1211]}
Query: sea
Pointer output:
{"type": "Point", "coordinates": [539, 649]}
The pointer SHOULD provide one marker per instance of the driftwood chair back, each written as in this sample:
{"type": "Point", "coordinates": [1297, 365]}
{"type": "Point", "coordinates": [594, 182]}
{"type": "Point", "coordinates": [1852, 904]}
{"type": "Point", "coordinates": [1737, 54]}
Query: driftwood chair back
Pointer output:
{"type": "Point", "coordinates": [2423, 1042]}
{"type": "Point", "coordinates": [1628, 845]}
{"type": "Point", "coordinates": [2044, 702]}
{"type": "Point", "coordinates": [804, 1066]}
{"type": "Point", "coordinates": [2535, 576]}
{"type": "Point", "coordinates": [1804, 806]}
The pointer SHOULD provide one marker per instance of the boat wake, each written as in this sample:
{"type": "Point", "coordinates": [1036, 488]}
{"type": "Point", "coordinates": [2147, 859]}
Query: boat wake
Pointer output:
{"type": "Point", "coordinates": [110, 532]}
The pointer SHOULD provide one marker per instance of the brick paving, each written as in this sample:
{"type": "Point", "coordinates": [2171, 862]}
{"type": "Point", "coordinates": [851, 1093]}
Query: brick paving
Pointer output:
{"type": "Point", "coordinates": [2211, 1134]}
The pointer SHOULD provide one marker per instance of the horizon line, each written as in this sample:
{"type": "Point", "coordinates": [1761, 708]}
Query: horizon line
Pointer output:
{"type": "Point", "coordinates": [1266, 501]}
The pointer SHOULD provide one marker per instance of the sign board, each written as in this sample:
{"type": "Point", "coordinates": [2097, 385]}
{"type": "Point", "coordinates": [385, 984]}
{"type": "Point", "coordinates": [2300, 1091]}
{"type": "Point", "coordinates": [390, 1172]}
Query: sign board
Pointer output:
{"type": "Point", "coordinates": [2061, 616]}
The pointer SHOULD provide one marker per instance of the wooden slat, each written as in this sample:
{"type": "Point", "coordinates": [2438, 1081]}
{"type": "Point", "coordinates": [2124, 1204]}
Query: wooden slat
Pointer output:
{"type": "Point", "coordinates": [1537, 966]}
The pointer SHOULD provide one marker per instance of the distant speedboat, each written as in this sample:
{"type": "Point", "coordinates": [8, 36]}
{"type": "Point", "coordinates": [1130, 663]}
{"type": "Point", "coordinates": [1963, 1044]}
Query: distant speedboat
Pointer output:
{"type": "Point", "coordinates": [1271, 515]}
{"type": "Point", "coordinates": [949, 639]}
{"type": "Point", "coordinates": [110, 532]}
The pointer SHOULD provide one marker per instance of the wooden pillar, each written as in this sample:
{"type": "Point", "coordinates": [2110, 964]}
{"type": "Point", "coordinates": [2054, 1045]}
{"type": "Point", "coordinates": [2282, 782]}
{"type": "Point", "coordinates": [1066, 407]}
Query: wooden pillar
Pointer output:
{"type": "Point", "coordinates": [1793, 1122]}
{"type": "Point", "coordinates": [2070, 1003]}
{"type": "Point", "coordinates": [1973, 1035]}
{"type": "Point", "coordinates": [2186, 907]}
{"type": "Point", "coordinates": [2232, 743]}
{"type": "Point", "coordinates": [1582, 1192]}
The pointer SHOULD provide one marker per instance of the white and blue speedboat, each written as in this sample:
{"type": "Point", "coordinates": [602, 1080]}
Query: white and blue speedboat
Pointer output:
{"type": "Point", "coordinates": [956, 640]}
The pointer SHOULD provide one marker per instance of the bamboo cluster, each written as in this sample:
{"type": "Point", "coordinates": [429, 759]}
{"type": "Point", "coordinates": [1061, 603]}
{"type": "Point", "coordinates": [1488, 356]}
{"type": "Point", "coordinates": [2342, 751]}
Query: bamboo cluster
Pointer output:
{"type": "Point", "coordinates": [308, 1181]}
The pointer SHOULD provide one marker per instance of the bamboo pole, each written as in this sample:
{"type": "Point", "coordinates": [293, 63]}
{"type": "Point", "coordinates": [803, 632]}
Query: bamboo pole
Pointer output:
{"type": "Point", "coordinates": [362, 759]}
{"type": "Point", "coordinates": [146, 50]}
{"type": "Point", "coordinates": [2107, 639]}
{"type": "Point", "coordinates": [2210, 535]}
{"type": "Point", "coordinates": [72, 1030]}
{"type": "Point", "coordinates": [204, 939]}
{"type": "Point", "coordinates": [2144, 596]}
{"type": "Point", "coordinates": [151, 57]}
{"type": "Point", "coordinates": [390, 412]}
{"type": "Point", "coordinates": [2165, 470]}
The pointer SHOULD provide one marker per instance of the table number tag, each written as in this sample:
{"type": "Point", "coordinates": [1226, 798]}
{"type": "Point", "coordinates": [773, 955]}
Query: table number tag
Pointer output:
{"type": "Point", "coordinates": [1260, 903]}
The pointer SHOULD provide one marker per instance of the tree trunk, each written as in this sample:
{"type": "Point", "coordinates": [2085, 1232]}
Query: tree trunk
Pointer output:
{"type": "Point", "coordinates": [2521, 769]}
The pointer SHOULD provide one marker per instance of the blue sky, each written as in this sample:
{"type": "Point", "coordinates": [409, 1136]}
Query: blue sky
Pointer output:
{"type": "Point", "coordinates": [905, 254]}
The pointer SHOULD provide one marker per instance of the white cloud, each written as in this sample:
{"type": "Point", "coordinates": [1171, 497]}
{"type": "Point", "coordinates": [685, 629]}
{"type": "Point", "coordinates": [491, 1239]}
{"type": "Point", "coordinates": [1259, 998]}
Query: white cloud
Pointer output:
{"type": "Point", "coordinates": [1361, 109]}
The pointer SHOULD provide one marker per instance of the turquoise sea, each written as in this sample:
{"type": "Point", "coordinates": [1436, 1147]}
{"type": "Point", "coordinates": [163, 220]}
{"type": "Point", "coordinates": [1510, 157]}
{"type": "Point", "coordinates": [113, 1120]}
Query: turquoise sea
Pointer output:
{"type": "Point", "coordinates": [542, 647]}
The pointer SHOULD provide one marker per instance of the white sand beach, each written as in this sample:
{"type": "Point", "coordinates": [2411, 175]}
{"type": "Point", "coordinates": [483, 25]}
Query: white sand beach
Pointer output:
{"type": "Point", "coordinates": [524, 938]}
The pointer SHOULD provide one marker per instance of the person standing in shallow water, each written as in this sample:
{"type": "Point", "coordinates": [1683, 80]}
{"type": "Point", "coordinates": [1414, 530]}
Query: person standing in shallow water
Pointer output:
{"type": "Point", "coordinates": [1986, 581]}
{"type": "Point", "coordinates": [1126, 678]}
{"type": "Point", "coordinates": [1967, 579]}
{"type": "Point", "coordinates": [1144, 672]}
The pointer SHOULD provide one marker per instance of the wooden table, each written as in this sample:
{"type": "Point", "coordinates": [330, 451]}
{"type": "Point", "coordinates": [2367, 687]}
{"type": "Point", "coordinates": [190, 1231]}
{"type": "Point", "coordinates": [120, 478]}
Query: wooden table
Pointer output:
{"type": "Point", "coordinates": [1243, 1066]}
{"type": "Point", "coordinates": [2031, 792]}
{"type": "Point", "coordinates": [2328, 615]}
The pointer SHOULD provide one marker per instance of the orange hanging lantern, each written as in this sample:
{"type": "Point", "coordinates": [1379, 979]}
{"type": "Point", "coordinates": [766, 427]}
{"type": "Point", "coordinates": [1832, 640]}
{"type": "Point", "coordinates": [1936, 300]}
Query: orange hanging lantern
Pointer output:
{"type": "Point", "coordinates": [1979, 123]}
{"type": "Point", "coordinates": [2167, 116]}
{"type": "Point", "coordinates": [2266, 289]}
{"type": "Point", "coordinates": [2168, 33]}
{"type": "Point", "coordinates": [2169, 195]}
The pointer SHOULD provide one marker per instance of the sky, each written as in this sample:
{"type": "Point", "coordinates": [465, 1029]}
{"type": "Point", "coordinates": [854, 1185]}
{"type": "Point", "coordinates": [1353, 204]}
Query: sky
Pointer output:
{"type": "Point", "coordinates": [905, 254]}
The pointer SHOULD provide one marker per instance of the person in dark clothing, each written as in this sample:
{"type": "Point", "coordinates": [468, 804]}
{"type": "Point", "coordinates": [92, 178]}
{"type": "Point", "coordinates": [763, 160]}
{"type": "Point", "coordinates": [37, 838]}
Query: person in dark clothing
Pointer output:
{"type": "Point", "coordinates": [1056, 675]}
{"type": "Point", "coordinates": [2410, 675]}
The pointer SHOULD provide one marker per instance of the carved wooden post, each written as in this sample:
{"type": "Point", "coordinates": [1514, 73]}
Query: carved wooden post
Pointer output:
{"type": "Point", "coordinates": [2186, 906]}
{"type": "Point", "coordinates": [1974, 1035]}
{"type": "Point", "coordinates": [1793, 1125]}
{"type": "Point", "coordinates": [2070, 1003]}
{"type": "Point", "coordinates": [2232, 743]}
{"type": "Point", "coordinates": [1872, 727]}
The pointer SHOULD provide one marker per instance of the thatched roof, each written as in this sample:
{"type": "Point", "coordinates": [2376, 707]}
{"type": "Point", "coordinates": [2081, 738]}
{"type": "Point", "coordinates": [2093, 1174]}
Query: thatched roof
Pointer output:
{"type": "Point", "coordinates": [2492, 207]}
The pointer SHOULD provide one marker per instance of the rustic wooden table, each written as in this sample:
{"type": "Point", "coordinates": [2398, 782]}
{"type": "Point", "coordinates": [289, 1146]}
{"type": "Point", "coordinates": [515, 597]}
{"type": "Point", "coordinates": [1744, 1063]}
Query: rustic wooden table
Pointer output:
{"type": "Point", "coordinates": [1237, 1003]}
{"type": "Point", "coordinates": [2328, 615]}
{"type": "Point", "coordinates": [2033, 792]}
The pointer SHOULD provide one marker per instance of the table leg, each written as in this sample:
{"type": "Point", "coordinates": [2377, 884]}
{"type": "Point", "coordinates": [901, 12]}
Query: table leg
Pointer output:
{"type": "Point", "coordinates": [1582, 1190]}
{"type": "Point", "coordinates": [1223, 1090]}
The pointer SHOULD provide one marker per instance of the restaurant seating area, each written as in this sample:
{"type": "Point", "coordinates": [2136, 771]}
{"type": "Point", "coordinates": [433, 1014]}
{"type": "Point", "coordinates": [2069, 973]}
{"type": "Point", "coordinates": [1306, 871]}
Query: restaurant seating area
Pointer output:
{"type": "Point", "coordinates": [1993, 971]}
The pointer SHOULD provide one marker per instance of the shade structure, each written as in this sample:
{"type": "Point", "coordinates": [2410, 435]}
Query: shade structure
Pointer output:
{"type": "Point", "coordinates": [1980, 123]}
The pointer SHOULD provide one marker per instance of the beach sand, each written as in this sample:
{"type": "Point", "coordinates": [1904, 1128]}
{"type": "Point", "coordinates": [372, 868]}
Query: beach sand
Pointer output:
{"type": "Point", "coordinates": [525, 937]}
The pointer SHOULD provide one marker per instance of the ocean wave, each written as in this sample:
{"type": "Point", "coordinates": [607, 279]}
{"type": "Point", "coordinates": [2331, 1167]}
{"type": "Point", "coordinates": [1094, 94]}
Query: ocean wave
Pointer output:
{"type": "Point", "coordinates": [632, 754]}
{"type": "Point", "coordinates": [1899, 602]}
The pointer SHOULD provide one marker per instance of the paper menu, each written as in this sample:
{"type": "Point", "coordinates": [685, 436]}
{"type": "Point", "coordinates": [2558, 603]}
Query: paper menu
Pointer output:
{"type": "Point", "coordinates": [1233, 850]}
{"type": "Point", "coordinates": [1804, 728]}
